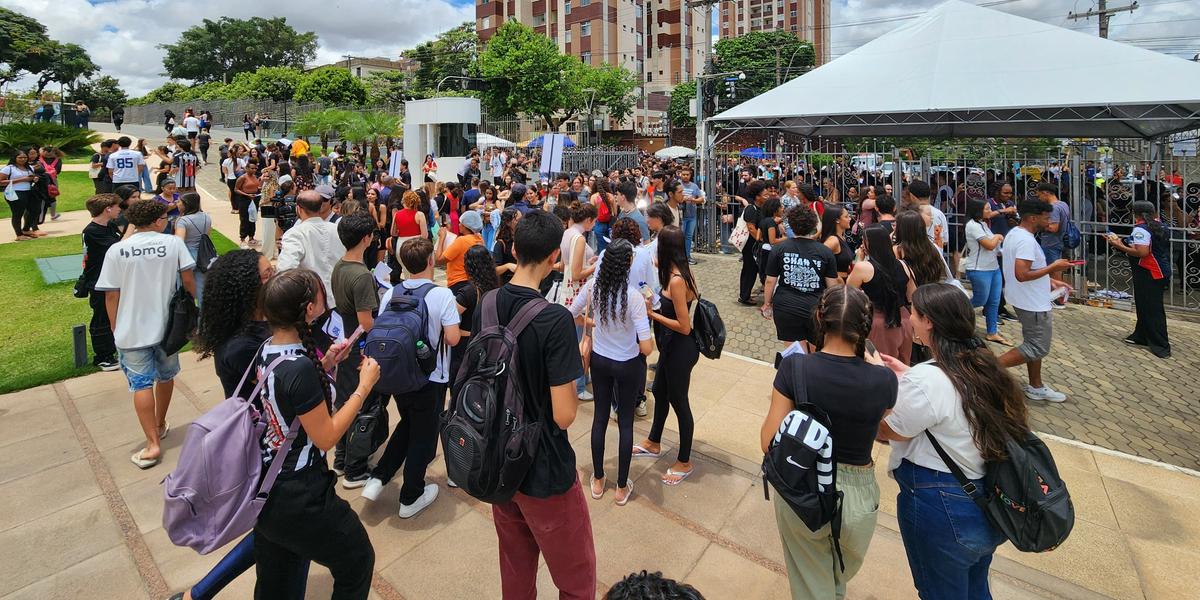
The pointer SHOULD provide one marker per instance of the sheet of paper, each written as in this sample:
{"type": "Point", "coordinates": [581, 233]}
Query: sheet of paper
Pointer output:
{"type": "Point", "coordinates": [383, 274]}
{"type": "Point", "coordinates": [334, 327]}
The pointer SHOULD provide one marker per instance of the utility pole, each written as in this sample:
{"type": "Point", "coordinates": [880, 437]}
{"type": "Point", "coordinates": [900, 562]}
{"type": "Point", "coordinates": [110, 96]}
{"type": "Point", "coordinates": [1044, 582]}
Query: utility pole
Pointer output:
{"type": "Point", "coordinates": [701, 129]}
{"type": "Point", "coordinates": [1104, 13]}
{"type": "Point", "coordinates": [777, 81]}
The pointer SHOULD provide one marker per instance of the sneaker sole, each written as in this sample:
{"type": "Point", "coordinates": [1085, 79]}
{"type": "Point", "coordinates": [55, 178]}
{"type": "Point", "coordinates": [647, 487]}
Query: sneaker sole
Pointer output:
{"type": "Point", "coordinates": [353, 485]}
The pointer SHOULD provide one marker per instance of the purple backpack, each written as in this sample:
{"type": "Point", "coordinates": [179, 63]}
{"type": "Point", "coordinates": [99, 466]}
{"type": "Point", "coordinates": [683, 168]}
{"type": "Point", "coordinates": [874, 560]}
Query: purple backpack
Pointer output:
{"type": "Point", "coordinates": [213, 496]}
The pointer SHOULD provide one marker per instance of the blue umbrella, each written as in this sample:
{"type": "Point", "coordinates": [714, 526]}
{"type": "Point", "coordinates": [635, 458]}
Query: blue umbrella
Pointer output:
{"type": "Point", "coordinates": [537, 142]}
{"type": "Point", "coordinates": [754, 152]}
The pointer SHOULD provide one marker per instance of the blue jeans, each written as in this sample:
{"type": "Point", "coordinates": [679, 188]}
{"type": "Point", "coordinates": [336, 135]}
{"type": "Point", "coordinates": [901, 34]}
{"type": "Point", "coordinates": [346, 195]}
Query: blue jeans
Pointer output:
{"type": "Point", "coordinates": [689, 232]}
{"type": "Point", "coordinates": [948, 540]}
{"type": "Point", "coordinates": [601, 231]}
{"type": "Point", "coordinates": [985, 292]}
{"type": "Point", "coordinates": [234, 564]}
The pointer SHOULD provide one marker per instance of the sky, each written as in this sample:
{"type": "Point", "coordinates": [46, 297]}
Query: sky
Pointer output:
{"type": "Point", "coordinates": [122, 35]}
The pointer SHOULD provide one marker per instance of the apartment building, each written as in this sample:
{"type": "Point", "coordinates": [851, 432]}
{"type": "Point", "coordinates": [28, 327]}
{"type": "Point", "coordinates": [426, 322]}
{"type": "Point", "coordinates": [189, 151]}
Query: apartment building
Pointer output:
{"type": "Point", "coordinates": [808, 19]}
{"type": "Point", "coordinates": [659, 40]}
{"type": "Point", "coordinates": [363, 66]}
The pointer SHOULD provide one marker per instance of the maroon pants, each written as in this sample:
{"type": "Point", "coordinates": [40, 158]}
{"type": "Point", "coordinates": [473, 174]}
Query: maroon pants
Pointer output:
{"type": "Point", "coordinates": [559, 528]}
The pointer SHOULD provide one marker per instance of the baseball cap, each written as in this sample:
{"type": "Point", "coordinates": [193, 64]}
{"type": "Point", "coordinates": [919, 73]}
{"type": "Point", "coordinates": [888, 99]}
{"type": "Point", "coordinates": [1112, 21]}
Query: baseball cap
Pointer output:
{"type": "Point", "coordinates": [326, 191]}
{"type": "Point", "coordinates": [518, 191]}
{"type": "Point", "coordinates": [471, 220]}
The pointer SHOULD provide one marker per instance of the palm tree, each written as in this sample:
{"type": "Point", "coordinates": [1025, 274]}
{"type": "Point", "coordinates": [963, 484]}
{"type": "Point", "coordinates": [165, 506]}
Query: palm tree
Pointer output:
{"type": "Point", "coordinates": [372, 127]}
{"type": "Point", "coordinates": [325, 123]}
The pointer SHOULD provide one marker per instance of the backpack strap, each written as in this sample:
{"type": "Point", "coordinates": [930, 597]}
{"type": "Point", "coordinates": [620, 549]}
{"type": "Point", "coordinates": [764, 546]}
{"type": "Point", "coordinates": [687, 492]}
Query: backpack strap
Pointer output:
{"type": "Point", "coordinates": [249, 368]}
{"type": "Point", "coordinates": [968, 486]}
{"type": "Point", "coordinates": [293, 430]}
{"type": "Point", "coordinates": [525, 316]}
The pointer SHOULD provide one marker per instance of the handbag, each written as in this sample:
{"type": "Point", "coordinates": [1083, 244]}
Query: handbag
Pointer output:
{"type": "Point", "coordinates": [182, 317]}
{"type": "Point", "coordinates": [10, 193]}
{"type": "Point", "coordinates": [740, 234]}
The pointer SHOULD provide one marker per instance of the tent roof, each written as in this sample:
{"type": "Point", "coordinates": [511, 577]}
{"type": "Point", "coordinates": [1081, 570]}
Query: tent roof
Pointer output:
{"type": "Point", "coordinates": [484, 140]}
{"type": "Point", "coordinates": [969, 71]}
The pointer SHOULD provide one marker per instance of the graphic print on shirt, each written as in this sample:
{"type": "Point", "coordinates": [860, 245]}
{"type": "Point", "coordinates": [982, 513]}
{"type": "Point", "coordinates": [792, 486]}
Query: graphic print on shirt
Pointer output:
{"type": "Point", "coordinates": [802, 273]}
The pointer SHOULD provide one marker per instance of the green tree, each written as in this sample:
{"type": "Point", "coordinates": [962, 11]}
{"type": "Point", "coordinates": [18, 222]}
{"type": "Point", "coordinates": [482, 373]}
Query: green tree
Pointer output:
{"type": "Point", "coordinates": [613, 87]}
{"type": "Point", "coordinates": [766, 57]}
{"type": "Point", "coordinates": [452, 53]}
{"type": "Point", "coordinates": [331, 85]}
{"type": "Point", "coordinates": [369, 129]}
{"type": "Point", "coordinates": [681, 98]}
{"type": "Point", "coordinates": [24, 46]}
{"type": "Point", "coordinates": [266, 83]}
{"type": "Point", "coordinates": [102, 92]}
{"type": "Point", "coordinates": [218, 50]}
{"type": "Point", "coordinates": [171, 91]}
{"type": "Point", "coordinates": [325, 123]}
{"type": "Point", "coordinates": [68, 63]}
{"type": "Point", "coordinates": [389, 87]}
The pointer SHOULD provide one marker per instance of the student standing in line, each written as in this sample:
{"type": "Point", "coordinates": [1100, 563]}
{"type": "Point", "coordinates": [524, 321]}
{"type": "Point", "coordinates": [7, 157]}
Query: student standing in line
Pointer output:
{"type": "Point", "coordinates": [248, 190]}
{"type": "Point", "coordinates": [548, 516]}
{"type": "Point", "coordinates": [677, 353]}
{"type": "Point", "coordinates": [354, 288]}
{"type": "Point", "coordinates": [454, 254]}
{"type": "Point", "coordinates": [481, 279]}
{"type": "Point", "coordinates": [19, 174]}
{"type": "Point", "coordinates": [502, 250]}
{"type": "Point", "coordinates": [982, 262]}
{"type": "Point", "coordinates": [304, 518]}
{"type": "Point", "coordinates": [140, 276]}
{"type": "Point", "coordinates": [798, 272]}
{"type": "Point", "coordinates": [98, 236]}
{"type": "Point", "coordinates": [889, 285]}
{"type": "Point", "coordinates": [620, 343]}
{"type": "Point", "coordinates": [1148, 249]}
{"type": "Point", "coordinates": [579, 262]}
{"type": "Point", "coordinates": [835, 221]}
{"type": "Point", "coordinates": [757, 192]}
{"type": "Point", "coordinates": [855, 390]}
{"type": "Point", "coordinates": [414, 440]}
{"type": "Point", "coordinates": [972, 406]}
{"type": "Point", "coordinates": [189, 227]}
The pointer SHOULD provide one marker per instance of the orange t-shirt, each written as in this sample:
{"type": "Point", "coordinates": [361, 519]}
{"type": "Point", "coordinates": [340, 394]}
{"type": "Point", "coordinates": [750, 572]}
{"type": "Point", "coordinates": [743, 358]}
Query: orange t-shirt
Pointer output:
{"type": "Point", "coordinates": [456, 269]}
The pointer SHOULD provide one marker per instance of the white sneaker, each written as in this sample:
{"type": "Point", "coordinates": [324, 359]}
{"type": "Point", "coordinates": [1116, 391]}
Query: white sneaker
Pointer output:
{"type": "Point", "coordinates": [1045, 393]}
{"type": "Point", "coordinates": [407, 511]}
{"type": "Point", "coordinates": [641, 408]}
{"type": "Point", "coordinates": [586, 396]}
{"type": "Point", "coordinates": [372, 489]}
{"type": "Point", "coordinates": [351, 483]}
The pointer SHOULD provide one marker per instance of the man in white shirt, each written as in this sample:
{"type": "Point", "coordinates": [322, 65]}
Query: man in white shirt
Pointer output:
{"type": "Point", "coordinates": [139, 278]}
{"type": "Point", "coordinates": [414, 441]}
{"type": "Point", "coordinates": [1027, 288]}
{"type": "Point", "coordinates": [125, 166]}
{"type": "Point", "coordinates": [192, 125]}
{"type": "Point", "coordinates": [312, 243]}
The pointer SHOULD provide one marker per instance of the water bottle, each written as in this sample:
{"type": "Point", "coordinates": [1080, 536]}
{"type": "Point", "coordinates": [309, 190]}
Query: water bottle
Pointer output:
{"type": "Point", "coordinates": [425, 357]}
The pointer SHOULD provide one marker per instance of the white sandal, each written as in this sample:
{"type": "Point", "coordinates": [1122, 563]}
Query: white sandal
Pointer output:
{"type": "Point", "coordinates": [603, 487]}
{"type": "Point", "coordinates": [144, 463]}
{"type": "Point", "coordinates": [628, 494]}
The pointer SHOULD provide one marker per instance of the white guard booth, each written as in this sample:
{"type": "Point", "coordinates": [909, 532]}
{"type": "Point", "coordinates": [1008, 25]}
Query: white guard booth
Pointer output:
{"type": "Point", "coordinates": [443, 127]}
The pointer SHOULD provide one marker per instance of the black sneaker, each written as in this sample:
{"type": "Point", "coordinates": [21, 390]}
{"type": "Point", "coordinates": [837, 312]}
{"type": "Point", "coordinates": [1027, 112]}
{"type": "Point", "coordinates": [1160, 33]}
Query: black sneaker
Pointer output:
{"type": "Point", "coordinates": [746, 302]}
{"type": "Point", "coordinates": [1007, 316]}
{"type": "Point", "coordinates": [352, 482]}
{"type": "Point", "coordinates": [108, 365]}
{"type": "Point", "coordinates": [692, 261]}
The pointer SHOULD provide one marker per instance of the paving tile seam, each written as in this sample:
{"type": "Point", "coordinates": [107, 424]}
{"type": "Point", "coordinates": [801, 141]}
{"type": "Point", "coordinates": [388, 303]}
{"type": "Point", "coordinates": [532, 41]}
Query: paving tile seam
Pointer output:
{"type": "Point", "coordinates": [1123, 455]}
{"type": "Point", "coordinates": [152, 578]}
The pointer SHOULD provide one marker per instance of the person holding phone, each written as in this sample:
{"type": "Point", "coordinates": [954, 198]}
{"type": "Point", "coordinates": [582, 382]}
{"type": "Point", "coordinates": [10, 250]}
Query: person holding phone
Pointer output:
{"type": "Point", "coordinates": [1148, 249]}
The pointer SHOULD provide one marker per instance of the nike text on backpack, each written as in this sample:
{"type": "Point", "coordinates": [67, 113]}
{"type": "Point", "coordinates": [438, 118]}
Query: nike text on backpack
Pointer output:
{"type": "Point", "coordinates": [488, 437]}
{"type": "Point", "coordinates": [1022, 495]}
{"type": "Point", "coordinates": [799, 465]}
{"type": "Point", "coordinates": [214, 496]}
{"type": "Point", "coordinates": [397, 341]}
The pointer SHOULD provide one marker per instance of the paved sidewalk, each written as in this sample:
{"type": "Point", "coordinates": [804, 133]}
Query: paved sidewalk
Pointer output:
{"type": "Point", "coordinates": [77, 517]}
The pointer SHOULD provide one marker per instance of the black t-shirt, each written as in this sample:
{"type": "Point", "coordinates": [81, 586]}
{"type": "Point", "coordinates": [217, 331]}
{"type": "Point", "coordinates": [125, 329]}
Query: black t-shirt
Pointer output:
{"type": "Point", "coordinates": [406, 179]}
{"type": "Point", "coordinates": [549, 356]}
{"type": "Point", "coordinates": [204, 139]}
{"type": "Point", "coordinates": [765, 225]}
{"type": "Point", "coordinates": [752, 216]}
{"type": "Point", "coordinates": [96, 241]}
{"type": "Point", "coordinates": [238, 352]}
{"type": "Point", "coordinates": [502, 255]}
{"type": "Point", "coordinates": [853, 392]}
{"type": "Point", "coordinates": [801, 266]}
{"type": "Point", "coordinates": [102, 158]}
{"type": "Point", "coordinates": [294, 389]}
{"type": "Point", "coordinates": [323, 165]}
{"type": "Point", "coordinates": [467, 297]}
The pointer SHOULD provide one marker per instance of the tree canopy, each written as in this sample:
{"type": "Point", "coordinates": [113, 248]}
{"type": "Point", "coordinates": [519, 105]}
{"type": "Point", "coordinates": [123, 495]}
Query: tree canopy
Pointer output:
{"type": "Point", "coordinates": [103, 92]}
{"type": "Point", "coordinates": [219, 50]}
{"type": "Point", "coordinates": [24, 46]}
{"type": "Point", "coordinates": [331, 85]}
{"type": "Point", "coordinates": [266, 83]}
{"type": "Point", "coordinates": [452, 53]}
{"type": "Point", "coordinates": [68, 63]}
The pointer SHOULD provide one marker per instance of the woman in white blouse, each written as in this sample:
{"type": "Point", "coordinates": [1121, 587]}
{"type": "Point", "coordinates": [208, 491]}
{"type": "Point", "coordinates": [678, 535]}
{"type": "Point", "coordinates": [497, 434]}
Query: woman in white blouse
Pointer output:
{"type": "Point", "coordinates": [971, 406]}
{"type": "Point", "coordinates": [620, 341]}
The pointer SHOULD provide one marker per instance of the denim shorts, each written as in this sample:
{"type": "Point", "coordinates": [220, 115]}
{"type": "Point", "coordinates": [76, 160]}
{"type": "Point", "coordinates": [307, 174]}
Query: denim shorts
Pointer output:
{"type": "Point", "coordinates": [145, 366]}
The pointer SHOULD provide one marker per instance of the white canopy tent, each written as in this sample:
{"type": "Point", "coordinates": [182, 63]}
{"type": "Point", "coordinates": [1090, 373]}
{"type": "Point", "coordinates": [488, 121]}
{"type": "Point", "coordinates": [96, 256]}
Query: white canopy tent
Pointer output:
{"type": "Point", "coordinates": [675, 152]}
{"type": "Point", "coordinates": [966, 71]}
{"type": "Point", "coordinates": [487, 140]}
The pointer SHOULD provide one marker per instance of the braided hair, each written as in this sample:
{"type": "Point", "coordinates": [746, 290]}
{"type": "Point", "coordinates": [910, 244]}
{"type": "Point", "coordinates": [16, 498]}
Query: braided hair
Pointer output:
{"type": "Point", "coordinates": [845, 312]}
{"type": "Point", "coordinates": [285, 301]}
{"type": "Point", "coordinates": [612, 283]}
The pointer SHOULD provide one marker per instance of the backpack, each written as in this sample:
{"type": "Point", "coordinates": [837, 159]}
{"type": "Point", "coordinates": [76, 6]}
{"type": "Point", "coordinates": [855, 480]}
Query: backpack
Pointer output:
{"type": "Point", "coordinates": [1072, 238]}
{"type": "Point", "coordinates": [1023, 496]}
{"type": "Point", "coordinates": [206, 253]}
{"type": "Point", "coordinates": [799, 464]}
{"type": "Point", "coordinates": [708, 330]}
{"type": "Point", "coordinates": [182, 319]}
{"type": "Point", "coordinates": [214, 496]}
{"type": "Point", "coordinates": [488, 438]}
{"type": "Point", "coordinates": [398, 343]}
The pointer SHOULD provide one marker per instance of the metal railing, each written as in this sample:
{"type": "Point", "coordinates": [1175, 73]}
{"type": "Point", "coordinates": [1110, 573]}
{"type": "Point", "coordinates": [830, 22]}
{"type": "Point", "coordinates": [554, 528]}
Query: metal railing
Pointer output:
{"type": "Point", "coordinates": [281, 117]}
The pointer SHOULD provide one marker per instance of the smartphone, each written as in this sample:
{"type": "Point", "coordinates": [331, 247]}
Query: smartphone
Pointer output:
{"type": "Point", "coordinates": [1078, 262]}
{"type": "Point", "coordinates": [354, 337]}
{"type": "Point", "coordinates": [870, 347]}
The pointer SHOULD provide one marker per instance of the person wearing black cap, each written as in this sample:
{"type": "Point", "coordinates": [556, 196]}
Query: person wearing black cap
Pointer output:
{"type": "Point", "coordinates": [1148, 248]}
{"type": "Point", "coordinates": [1028, 286]}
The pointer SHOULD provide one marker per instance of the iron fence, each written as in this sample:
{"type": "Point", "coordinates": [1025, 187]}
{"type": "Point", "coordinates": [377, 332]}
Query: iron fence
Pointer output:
{"type": "Point", "coordinates": [280, 117]}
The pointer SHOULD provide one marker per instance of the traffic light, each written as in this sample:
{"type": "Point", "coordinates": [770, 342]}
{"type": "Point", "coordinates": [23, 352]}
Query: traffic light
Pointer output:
{"type": "Point", "coordinates": [731, 87]}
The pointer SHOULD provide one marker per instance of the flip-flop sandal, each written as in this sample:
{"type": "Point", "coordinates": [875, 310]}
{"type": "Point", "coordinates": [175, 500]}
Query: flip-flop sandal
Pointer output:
{"type": "Point", "coordinates": [603, 488]}
{"type": "Point", "coordinates": [144, 463]}
{"type": "Point", "coordinates": [640, 452]}
{"type": "Point", "coordinates": [627, 496]}
{"type": "Point", "coordinates": [162, 434]}
{"type": "Point", "coordinates": [673, 473]}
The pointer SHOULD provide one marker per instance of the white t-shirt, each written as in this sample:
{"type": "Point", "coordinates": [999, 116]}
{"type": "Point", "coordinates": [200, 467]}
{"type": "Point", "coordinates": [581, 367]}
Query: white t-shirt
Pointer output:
{"type": "Point", "coordinates": [124, 164]}
{"type": "Point", "coordinates": [15, 172]}
{"type": "Point", "coordinates": [443, 312]}
{"type": "Point", "coordinates": [1033, 296]}
{"type": "Point", "coordinates": [980, 258]}
{"type": "Point", "coordinates": [927, 400]}
{"type": "Point", "coordinates": [145, 268]}
{"type": "Point", "coordinates": [573, 233]}
{"type": "Point", "coordinates": [938, 218]}
{"type": "Point", "coordinates": [641, 271]}
{"type": "Point", "coordinates": [192, 124]}
{"type": "Point", "coordinates": [616, 339]}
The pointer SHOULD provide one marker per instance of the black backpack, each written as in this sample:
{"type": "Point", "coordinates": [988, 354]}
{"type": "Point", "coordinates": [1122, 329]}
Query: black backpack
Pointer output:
{"type": "Point", "coordinates": [1022, 495]}
{"type": "Point", "coordinates": [708, 329]}
{"type": "Point", "coordinates": [488, 436]}
{"type": "Point", "coordinates": [799, 463]}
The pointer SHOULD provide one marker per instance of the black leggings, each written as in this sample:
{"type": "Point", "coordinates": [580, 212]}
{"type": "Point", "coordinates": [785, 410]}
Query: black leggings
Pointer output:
{"type": "Point", "coordinates": [621, 381]}
{"type": "Point", "coordinates": [247, 227]}
{"type": "Point", "coordinates": [233, 203]}
{"type": "Point", "coordinates": [18, 207]}
{"type": "Point", "coordinates": [749, 270]}
{"type": "Point", "coordinates": [671, 382]}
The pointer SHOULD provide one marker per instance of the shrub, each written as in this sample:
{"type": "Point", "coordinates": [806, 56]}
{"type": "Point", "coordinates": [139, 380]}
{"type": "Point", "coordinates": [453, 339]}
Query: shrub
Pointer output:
{"type": "Point", "coordinates": [67, 139]}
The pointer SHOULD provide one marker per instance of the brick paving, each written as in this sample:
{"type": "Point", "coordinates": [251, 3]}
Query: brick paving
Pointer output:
{"type": "Point", "coordinates": [1118, 397]}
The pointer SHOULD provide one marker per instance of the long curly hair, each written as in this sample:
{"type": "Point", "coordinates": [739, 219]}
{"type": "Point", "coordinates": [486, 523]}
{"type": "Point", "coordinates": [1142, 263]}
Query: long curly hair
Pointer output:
{"type": "Point", "coordinates": [504, 233]}
{"type": "Point", "coordinates": [481, 269]}
{"type": "Point", "coordinates": [612, 283]}
{"type": "Point", "coordinates": [230, 297]}
{"type": "Point", "coordinates": [285, 299]}
{"type": "Point", "coordinates": [920, 254]}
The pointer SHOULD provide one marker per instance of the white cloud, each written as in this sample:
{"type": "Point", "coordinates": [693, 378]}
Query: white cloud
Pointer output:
{"type": "Point", "coordinates": [131, 54]}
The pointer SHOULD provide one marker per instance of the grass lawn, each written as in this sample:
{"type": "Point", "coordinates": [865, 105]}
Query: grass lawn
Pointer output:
{"type": "Point", "coordinates": [81, 156]}
{"type": "Point", "coordinates": [35, 335]}
{"type": "Point", "coordinates": [74, 187]}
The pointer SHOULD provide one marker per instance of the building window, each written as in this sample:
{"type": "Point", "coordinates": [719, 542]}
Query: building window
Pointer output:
{"type": "Point", "coordinates": [585, 28]}
{"type": "Point", "coordinates": [586, 57]}
{"type": "Point", "coordinates": [724, 12]}
{"type": "Point", "coordinates": [487, 22]}
{"type": "Point", "coordinates": [566, 8]}
{"type": "Point", "coordinates": [649, 77]}
{"type": "Point", "coordinates": [584, 2]}
{"type": "Point", "coordinates": [539, 20]}
{"type": "Point", "coordinates": [567, 36]}
{"type": "Point", "coordinates": [792, 14]}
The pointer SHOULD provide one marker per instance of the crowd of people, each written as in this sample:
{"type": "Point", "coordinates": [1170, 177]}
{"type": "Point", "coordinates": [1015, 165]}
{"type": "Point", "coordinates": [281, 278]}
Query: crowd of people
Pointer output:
{"type": "Point", "coordinates": [873, 324]}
